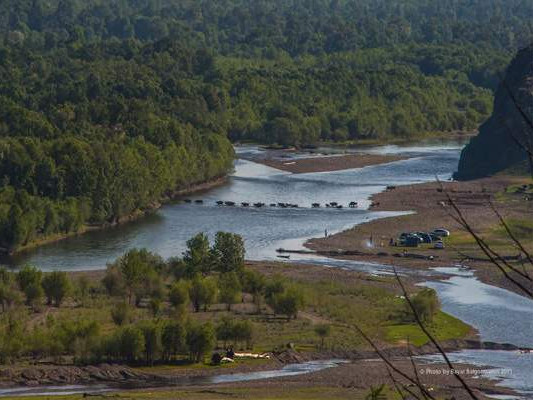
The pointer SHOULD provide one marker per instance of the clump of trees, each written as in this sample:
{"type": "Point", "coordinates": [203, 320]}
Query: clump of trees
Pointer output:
{"type": "Point", "coordinates": [98, 145]}
{"type": "Point", "coordinates": [150, 300]}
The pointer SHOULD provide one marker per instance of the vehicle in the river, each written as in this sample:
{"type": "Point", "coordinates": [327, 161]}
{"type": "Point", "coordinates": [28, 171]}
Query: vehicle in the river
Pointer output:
{"type": "Point", "coordinates": [273, 205]}
{"type": "Point", "coordinates": [187, 201]}
{"type": "Point", "coordinates": [199, 201]}
{"type": "Point", "coordinates": [258, 205]}
{"type": "Point", "coordinates": [353, 204]}
{"type": "Point", "coordinates": [245, 204]}
{"type": "Point", "coordinates": [220, 202]}
{"type": "Point", "coordinates": [229, 203]}
{"type": "Point", "coordinates": [441, 232]}
{"type": "Point", "coordinates": [333, 204]}
{"type": "Point", "coordinates": [315, 205]}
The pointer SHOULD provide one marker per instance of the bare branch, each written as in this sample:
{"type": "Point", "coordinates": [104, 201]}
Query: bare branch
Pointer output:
{"type": "Point", "coordinates": [494, 257]}
{"type": "Point", "coordinates": [388, 362]}
{"type": "Point", "coordinates": [431, 338]}
{"type": "Point", "coordinates": [511, 235]}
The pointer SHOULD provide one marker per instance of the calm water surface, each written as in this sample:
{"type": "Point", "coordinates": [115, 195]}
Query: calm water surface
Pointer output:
{"type": "Point", "coordinates": [265, 229]}
{"type": "Point", "coordinates": [499, 315]}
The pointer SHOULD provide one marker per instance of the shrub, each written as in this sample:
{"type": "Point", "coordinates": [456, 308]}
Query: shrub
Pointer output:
{"type": "Point", "coordinates": [173, 339]}
{"type": "Point", "coordinates": [200, 340]}
{"type": "Point", "coordinates": [229, 288]}
{"type": "Point", "coordinates": [131, 343]}
{"type": "Point", "coordinates": [323, 331]}
{"type": "Point", "coordinates": [56, 286]}
{"type": "Point", "coordinates": [179, 295]}
{"type": "Point", "coordinates": [34, 295]}
{"type": "Point", "coordinates": [152, 341]}
{"type": "Point", "coordinates": [121, 314]}
{"type": "Point", "coordinates": [426, 305]}
{"type": "Point", "coordinates": [27, 276]}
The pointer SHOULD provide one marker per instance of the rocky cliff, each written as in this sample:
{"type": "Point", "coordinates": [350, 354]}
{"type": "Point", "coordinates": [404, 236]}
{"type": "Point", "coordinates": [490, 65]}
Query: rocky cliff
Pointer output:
{"type": "Point", "coordinates": [494, 148]}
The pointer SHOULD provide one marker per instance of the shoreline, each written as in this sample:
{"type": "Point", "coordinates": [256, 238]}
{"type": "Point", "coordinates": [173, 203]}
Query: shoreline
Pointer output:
{"type": "Point", "coordinates": [429, 210]}
{"type": "Point", "coordinates": [195, 188]}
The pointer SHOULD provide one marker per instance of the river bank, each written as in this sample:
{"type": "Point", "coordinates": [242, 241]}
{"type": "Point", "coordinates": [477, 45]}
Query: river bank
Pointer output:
{"type": "Point", "coordinates": [430, 209]}
{"type": "Point", "coordinates": [284, 162]}
{"type": "Point", "coordinates": [136, 215]}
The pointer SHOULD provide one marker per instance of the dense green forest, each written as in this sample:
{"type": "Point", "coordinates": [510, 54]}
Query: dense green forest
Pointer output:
{"type": "Point", "coordinates": [108, 106]}
{"type": "Point", "coordinates": [92, 135]}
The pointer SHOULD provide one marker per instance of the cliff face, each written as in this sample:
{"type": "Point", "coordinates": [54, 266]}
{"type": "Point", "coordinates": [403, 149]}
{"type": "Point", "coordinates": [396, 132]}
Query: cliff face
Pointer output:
{"type": "Point", "coordinates": [494, 148]}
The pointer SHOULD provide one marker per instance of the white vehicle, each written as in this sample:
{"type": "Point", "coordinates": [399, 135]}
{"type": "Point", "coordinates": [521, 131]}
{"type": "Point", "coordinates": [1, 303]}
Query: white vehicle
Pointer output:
{"type": "Point", "coordinates": [439, 245]}
{"type": "Point", "coordinates": [441, 232]}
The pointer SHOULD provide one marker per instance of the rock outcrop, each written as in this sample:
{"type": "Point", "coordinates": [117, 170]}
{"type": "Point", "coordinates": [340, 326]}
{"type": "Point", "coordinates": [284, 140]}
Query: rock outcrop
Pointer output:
{"type": "Point", "coordinates": [494, 149]}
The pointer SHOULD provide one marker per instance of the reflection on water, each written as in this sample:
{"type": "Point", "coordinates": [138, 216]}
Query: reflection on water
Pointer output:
{"type": "Point", "coordinates": [498, 314]}
{"type": "Point", "coordinates": [513, 369]}
{"type": "Point", "coordinates": [263, 229]}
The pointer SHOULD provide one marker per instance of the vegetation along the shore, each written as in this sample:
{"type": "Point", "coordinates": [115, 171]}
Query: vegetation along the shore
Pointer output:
{"type": "Point", "coordinates": [108, 107]}
{"type": "Point", "coordinates": [144, 309]}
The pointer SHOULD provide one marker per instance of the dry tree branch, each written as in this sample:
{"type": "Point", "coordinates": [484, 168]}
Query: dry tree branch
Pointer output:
{"type": "Point", "coordinates": [415, 369]}
{"type": "Point", "coordinates": [511, 235]}
{"type": "Point", "coordinates": [397, 387]}
{"type": "Point", "coordinates": [389, 363]}
{"type": "Point", "coordinates": [516, 103]}
{"type": "Point", "coordinates": [493, 256]}
{"type": "Point", "coordinates": [526, 147]}
{"type": "Point", "coordinates": [432, 338]}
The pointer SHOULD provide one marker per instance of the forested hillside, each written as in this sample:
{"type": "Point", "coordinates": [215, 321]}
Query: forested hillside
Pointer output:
{"type": "Point", "coordinates": [107, 106]}
{"type": "Point", "coordinates": [97, 133]}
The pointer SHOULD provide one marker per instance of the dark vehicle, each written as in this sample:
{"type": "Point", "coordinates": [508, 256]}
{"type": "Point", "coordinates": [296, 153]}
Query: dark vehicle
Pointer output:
{"type": "Point", "coordinates": [187, 201]}
{"type": "Point", "coordinates": [229, 203]}
{"type": "Point", "coordinates": [316, 205]}
{"type": "Point", "coordinates": [220, 202]}
{"type": "Point", "coordinates": [434, 238]}
{"type": "Point", "coordinates": [199, 201]}
{"type": "Point", "coordinates": [412, 241]}
{"type": "Point", "coordinates": [245, 204]}
{"type": "Point", "coordinates": [426, 237]}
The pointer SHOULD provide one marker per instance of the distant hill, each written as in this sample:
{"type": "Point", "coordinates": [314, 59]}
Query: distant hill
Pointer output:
{"type": "Point", "coordinates": [496, 148]}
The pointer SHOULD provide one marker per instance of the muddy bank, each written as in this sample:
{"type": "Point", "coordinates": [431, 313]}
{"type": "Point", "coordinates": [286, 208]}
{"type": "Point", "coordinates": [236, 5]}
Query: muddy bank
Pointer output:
{"type": "Point", "coordinates": [121, 375]}
{"type": "Point", "coordinates": [430, 209]}
{"type": "Point", "coordinates": [326, 163]}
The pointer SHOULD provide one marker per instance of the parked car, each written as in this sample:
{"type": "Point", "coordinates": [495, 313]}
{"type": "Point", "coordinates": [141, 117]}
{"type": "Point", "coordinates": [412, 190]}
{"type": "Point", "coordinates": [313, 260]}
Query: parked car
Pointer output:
{"type": "Point", "coordinates": [426, 237]}
{"type": "Point", "coordinates": [434, 238]}
{"type": "Point", "coordinates": [410, 241]}
{"type": "Point", "coordinates": [441, 232]}
{"type": "Point", "coordinates": [438, 245]}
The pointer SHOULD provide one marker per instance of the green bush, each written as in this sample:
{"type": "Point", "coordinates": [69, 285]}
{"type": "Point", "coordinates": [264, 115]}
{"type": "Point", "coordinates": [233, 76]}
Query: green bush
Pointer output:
{"type": "Point", "coordinates": [56, 287]}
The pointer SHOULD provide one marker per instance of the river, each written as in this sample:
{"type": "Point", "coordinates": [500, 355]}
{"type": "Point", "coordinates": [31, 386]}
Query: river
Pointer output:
{"type": "Point", "coordinates": [265, 229]}
{"type": "Point", "coordinates": [499, 315]}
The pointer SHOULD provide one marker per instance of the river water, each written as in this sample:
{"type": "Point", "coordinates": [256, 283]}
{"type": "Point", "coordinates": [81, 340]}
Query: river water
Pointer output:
{"type": "Point", "coordinates": [265, 229]}
{"type": "Point", "coordinates": [499, 315]}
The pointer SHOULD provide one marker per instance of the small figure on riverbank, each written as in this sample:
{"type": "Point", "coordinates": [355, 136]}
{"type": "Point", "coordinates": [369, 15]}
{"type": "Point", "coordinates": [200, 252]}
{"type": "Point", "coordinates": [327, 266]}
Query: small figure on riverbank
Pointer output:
{"type": "Point", "coordinates": [326, 233]}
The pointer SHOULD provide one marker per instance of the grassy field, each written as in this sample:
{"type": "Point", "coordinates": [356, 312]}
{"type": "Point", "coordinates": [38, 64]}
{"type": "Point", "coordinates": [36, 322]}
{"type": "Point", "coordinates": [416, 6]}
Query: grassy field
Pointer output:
{"type": "Point", "coordinates": [443, 326]}
{"type": "Point", "coordinates": [271, 393]}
